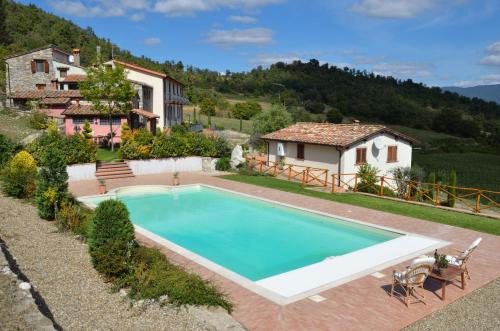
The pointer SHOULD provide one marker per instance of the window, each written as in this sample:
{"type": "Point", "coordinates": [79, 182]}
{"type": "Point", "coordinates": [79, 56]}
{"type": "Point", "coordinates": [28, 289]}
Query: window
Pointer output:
{"type": "Point", "coordinates": [79, 120]}
{"type": "Point", "coordinates": [361, 155]}
{"type": "Point", "coordinates": [392, 154]}
{"type": "Point", "coordinates": [63, 73]}
{"type": "Point", "coordinates": [40, 87]}
{"type": "Point", "coordinates": [40, 65]}
{"type": "Point", "coordinates": [300, 151]}
{"type": "Point", "coordinates": [114, 120]}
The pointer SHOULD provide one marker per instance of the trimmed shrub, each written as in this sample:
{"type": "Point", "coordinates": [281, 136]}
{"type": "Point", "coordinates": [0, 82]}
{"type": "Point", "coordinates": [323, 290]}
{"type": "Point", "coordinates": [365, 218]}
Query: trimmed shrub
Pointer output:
{"type": "Point", "coordinates": [7, 149]}
{"type": "Point", "coordinates": [223, 164]}
{"type": "Point", "coordinates": [111, 239]}
{"type": "Point", "coordinates": [154, 276]}
{"type": "Point", "coordinates": [19, 176]}
{"type": "Point", "coordinates": [431, 180]}
{"type": "Point", "coordinates": [51, 184]}
{"type": "Point", "coordinates": [452, 190]}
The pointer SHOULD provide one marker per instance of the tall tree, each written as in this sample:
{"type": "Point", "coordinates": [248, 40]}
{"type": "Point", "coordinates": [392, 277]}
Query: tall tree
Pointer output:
{"type": "Point", "coordinates": [4, 35]}
{"type": "Point", "coordinates": [109, 91]}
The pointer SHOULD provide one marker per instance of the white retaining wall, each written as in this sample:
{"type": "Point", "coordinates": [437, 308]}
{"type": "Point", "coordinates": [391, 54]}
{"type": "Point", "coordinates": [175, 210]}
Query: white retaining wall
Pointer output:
{"type": "Point", "coordinates": [81, 171]}
{"type": "Point", "coordinates": [146, 167]}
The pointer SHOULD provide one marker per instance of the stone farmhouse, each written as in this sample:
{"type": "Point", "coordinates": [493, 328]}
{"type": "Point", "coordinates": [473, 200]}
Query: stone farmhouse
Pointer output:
{"type": "Point", "coordinates": [51, 76]}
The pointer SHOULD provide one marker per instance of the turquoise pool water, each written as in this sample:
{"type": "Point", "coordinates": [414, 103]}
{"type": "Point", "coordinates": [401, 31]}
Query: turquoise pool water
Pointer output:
{"type": "Point", "coordinates": [253, 238]}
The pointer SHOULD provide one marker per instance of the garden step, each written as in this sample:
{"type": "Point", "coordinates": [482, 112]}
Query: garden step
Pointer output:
{"type": "Point", "coordinates": [116, 176]}
{"type": "Point", "coordinates": [112, 172]}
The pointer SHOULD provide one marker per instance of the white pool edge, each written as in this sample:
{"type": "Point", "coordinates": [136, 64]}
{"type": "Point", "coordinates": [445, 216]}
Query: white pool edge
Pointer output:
{"type": "Point", "coordinates": [280, 288]}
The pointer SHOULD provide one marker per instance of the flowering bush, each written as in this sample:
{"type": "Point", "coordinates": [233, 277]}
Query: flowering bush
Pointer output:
{"type": "Point", "coordinates": [19, 176]}
{"type": "Point", "coordinates": [142, 145]}
{"type": "Point", "coordinates": [75, 148]}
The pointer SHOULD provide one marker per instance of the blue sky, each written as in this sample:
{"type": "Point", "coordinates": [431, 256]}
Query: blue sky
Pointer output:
{"type": "Point", "coordinates": [437, 42]}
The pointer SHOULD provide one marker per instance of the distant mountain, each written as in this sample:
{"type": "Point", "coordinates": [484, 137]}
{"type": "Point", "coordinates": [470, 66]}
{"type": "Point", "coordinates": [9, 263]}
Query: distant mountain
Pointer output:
{"type": "Point", "coordinates": [485, 92]}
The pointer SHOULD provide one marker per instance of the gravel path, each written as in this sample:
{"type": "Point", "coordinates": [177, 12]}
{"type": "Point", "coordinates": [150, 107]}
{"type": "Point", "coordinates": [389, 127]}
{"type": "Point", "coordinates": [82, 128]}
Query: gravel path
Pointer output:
{"type": "Point", "coordinates": [480, 310]}
{"type": "Point", "coordinates": [58, 267]}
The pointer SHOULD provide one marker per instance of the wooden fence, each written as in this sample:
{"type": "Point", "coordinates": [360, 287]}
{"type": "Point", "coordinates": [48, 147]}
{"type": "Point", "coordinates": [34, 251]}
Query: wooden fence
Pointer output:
{"type": "Point", "coordinates": [476, 200]}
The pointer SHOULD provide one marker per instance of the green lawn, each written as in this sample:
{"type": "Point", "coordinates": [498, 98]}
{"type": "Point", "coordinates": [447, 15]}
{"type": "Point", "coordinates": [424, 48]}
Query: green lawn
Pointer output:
{"type": "Point", "coordinates": [473, 222]}
{"type": "Point", "coordinates": [227, 123]}
{"type": "Point", "coordinates": [105, 154]}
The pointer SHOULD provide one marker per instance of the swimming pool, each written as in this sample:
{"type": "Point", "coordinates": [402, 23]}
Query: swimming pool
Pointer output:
{"type": "Point", "coordinates": [255, 240]}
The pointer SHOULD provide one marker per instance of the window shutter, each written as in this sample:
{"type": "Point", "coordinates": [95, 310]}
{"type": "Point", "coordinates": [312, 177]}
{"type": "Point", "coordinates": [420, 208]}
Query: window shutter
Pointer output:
{"type": "Point", "coordinates": [46, 65]}
{"type": "Point", "coordinates": [33, 66]}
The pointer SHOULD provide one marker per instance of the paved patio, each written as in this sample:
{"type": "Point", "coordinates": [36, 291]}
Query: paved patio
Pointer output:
{"type": "Point", "coordinates": [362, 304]}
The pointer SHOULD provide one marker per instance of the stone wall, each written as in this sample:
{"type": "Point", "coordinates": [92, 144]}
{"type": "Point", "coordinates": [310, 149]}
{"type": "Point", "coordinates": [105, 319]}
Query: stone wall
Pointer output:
{"type": "Point", "coordinates": [18, 71]}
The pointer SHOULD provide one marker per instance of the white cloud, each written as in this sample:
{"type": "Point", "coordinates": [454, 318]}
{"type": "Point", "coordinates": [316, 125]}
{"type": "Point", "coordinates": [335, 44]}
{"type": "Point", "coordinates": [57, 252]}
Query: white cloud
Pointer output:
{"type": "Point", "coordinates": [137, 17]}
{"type": "Point", "coordinates": [392, 8]}
{"type": "Point", "coordinates": [402, 70]}
{"type": "Point", "coordinates": [189, 7]}
{"type": "Point", "coordinates": [493, 48]}
{"type": "Point", "coordinates": [242, 19]}
{"type": "Point", "coordinates": [152, 41]}
{"type": "Point", "coordinates": [483, 80]}
{"type": "Point", "coordinates": [256, 36]}
{"type": "Point", "coordinates": [493, 57]}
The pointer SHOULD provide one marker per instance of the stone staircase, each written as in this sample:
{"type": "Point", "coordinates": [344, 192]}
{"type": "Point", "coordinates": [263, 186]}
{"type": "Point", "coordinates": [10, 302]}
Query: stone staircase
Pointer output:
{"type": "Point", "coordinates": [113, 170]}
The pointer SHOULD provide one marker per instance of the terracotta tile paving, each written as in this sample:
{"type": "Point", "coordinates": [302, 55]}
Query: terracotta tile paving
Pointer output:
{"type": "Point", "coordinates": [362, 304]}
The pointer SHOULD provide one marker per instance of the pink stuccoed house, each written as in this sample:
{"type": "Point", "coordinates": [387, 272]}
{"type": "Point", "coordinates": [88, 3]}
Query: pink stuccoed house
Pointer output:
{"type": "Point", "coordinates": [77, 113]}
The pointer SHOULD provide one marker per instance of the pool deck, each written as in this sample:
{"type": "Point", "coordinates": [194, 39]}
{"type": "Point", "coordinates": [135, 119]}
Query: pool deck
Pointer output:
{"type": "Point", "coordinates": [362, 304]}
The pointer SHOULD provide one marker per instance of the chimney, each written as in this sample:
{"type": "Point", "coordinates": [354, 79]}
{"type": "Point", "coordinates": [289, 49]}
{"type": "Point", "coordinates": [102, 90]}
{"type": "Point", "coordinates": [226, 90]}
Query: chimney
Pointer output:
{"type": "Point", "coordinates": [76, 56]}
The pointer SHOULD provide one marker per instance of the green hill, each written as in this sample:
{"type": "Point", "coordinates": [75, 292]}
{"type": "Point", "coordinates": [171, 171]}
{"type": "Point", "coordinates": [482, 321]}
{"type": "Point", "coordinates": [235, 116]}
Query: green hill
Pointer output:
{"type": "Point", "coordinates": [306, 88]}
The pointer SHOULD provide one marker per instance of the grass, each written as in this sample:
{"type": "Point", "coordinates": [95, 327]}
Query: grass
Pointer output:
{"type": "Point", "coordinates": [472, 222]}
{"type": "Point", "coordinates": [106, 155]}
{"type": "Point", "coordinates": [14, 126]}
{"type": "Point", "coordinates": [227, 123]}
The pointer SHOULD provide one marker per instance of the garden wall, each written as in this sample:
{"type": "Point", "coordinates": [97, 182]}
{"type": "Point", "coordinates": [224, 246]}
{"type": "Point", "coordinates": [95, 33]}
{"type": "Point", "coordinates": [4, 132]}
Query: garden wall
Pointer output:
{"type": "Point", "coordinates": [156, 166]}
{"type": "Point", "coordinates": [81, 171]}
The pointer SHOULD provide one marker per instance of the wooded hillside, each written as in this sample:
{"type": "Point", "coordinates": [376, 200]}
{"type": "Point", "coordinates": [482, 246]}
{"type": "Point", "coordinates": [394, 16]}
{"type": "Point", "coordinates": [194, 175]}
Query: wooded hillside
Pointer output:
{"type": "Point", "coordinates": [320, 89]}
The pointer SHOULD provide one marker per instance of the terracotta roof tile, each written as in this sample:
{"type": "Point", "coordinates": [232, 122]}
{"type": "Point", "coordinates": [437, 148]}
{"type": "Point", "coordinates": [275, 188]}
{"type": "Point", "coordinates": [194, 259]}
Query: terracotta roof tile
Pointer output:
{"type": "Point", "coordinates": [339, 135]}
{"type": "Point", "coordinates": [74, 78]}
{"type": "Point", "coordinates": [144, 113]}
{"type": "Point", "coordinates": [55, 101]}
{"type": "Point", "coordinates": [39, 94]}
{"type": "Point", "coordinates": [149, 71]}
{"type": "Point", "coordinates": [82, 109]}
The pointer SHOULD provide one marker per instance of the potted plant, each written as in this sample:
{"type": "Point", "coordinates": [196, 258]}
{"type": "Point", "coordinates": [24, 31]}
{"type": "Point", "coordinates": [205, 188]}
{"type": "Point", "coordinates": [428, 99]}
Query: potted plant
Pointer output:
{"type": "Point", "coordinates": [102, 186]}
{"type": "Point", "coordinates": [175, 179]}
{"type": "Point", "coordinates": [441, 262]}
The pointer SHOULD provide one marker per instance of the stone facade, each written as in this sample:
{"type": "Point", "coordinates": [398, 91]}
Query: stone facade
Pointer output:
{"type": "Point", "coordinates": [20, 75]}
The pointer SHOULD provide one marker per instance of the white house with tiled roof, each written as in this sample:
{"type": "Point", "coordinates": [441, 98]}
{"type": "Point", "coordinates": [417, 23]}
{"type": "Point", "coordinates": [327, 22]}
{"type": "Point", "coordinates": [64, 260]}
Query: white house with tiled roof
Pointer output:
{"type": "Point", "coordinates": [340, 148]}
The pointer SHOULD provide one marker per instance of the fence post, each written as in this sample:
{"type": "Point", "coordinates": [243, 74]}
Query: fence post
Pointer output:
{"type": "Point", "coordinates": [355, 182]}
{"type": "Point", "coordinates": [326, 178]}
{"type": "Point", "coordinates": [303, 177]}
{"type": "Point", "coordinates": [275, 170]}
{"type": "Point", "coordinates": [478, 202]}
{"type": "Point", "coordinates": [260, 168]}
{"type": "Point", "coordinates": [437, 195]}
{"type": "Point", "coordinates": [333, 183]}
{"type": "Point", "coordinates": [382, 186]}
{"type": "Point", "coordinates": [289, 172]}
